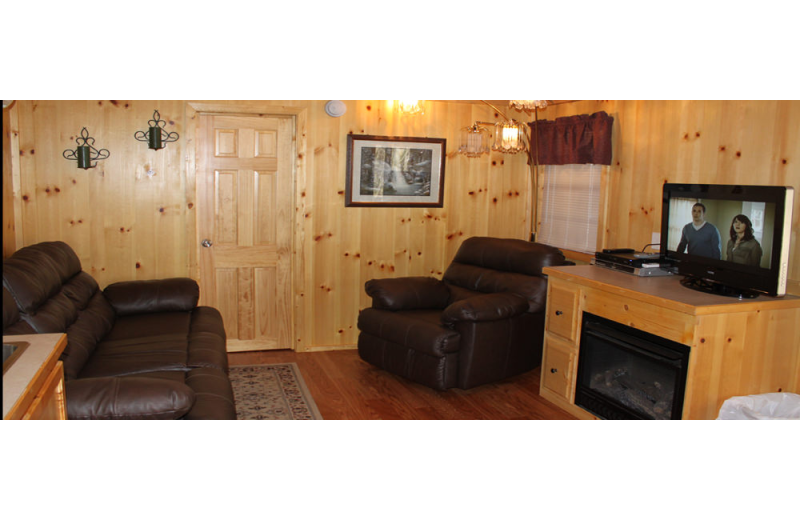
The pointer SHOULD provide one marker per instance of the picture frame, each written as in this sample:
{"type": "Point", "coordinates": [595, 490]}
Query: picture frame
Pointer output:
{"type": "Point", "coordinates": [395, 172]}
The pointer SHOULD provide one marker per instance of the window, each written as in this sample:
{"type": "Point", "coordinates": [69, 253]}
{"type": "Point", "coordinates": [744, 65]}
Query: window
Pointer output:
{"type": "Point", "coordinates": [571, 206]}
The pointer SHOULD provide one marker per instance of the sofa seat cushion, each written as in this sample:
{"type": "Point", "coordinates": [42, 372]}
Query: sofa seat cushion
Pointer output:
{"type": "Point", "coordinates": [213, 394]}
{"type": "Point", "coordinates": [139, 397]}
{"type": "Point", "coordinates": [136, 358]}
{"type": "Point", "coordinates": [201, 393]}
{"type": "Point", "coordinates": [170, 341]}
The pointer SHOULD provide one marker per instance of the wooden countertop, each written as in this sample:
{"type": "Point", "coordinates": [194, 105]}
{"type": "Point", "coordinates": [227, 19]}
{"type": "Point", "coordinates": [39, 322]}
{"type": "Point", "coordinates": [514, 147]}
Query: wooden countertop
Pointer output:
{"type": "Point", "coordinates": [26, 376]}
{"type": "Point", "coordinates": [666, 291]}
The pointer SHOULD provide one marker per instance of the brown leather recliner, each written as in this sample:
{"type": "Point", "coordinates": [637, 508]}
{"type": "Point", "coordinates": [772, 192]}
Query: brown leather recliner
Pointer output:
{"type": "Point", "coordinates": [484, 321]}
{"type": "Point", "coordinates": [136, 350]}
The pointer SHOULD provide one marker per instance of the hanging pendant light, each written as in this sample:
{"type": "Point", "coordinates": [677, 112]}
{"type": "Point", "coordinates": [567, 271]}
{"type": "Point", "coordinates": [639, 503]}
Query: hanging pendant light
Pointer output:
{"type": "Point", "coordinates": [509, 137]}
{"type": "Point", "coordinates": [473, 141]}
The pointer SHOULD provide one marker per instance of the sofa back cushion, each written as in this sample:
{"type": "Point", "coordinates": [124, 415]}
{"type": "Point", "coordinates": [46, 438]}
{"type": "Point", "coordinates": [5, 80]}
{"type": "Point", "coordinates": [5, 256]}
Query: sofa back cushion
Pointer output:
{"type": "Point", "coordinates": [36, 273]}
{"type": "Point", "coordinates": [508, 255]}
{"type": "Point", "coordinates": [12, 324]}
{"type": "Point", "coordinates": [492, 265]}
{"type": "Point", "coordinates": [52, 294]}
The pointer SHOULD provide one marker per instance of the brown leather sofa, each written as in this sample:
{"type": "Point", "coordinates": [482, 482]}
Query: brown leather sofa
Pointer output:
{"type": "Point", "coordinates": [136, 350]}
{"type": "Point", "coordinates": [484, 321]}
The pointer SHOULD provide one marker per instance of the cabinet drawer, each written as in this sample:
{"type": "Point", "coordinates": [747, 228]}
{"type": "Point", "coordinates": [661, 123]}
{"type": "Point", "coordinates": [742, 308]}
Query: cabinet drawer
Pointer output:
{"type": "Point", "coordinates": [562, 308]}
{"type": "Point", "coordinates": [558, 366]}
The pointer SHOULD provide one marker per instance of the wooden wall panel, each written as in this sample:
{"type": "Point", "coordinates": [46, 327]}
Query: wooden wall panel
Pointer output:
{"type": "Point", "coordinates": [126, 217]}
{"type": "Point", "coordinates": [126, 224]}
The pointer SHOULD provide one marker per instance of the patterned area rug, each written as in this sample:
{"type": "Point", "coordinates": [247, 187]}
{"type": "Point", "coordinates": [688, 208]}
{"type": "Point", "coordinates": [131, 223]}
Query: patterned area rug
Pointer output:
{"type": "Point", "coordinates": [272, 392]}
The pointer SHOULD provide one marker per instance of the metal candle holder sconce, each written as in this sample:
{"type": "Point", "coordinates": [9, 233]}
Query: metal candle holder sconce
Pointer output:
{"type": "Point", "coordinates": [156, 137]}
{"type": "Point", "coordinates": [86, 153]}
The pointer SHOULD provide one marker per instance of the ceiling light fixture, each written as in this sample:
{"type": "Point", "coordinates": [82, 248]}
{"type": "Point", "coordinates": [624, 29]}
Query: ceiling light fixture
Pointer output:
{"type": "Point", "coordinates": [411, 107]}
{"type": "Point", "coordinates": [529, 104]}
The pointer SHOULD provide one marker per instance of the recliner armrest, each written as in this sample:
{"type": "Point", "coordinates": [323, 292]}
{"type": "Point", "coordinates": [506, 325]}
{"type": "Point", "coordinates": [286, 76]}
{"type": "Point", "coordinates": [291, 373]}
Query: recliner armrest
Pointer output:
{"type": "Point", "coordinates": [145, 296]}
{"type": "Point", "coordinates": [127, 398]}
{"type": "Point", "coordinates": [408, 293]}
{"type": "Point", "coordinates": [486, 307]}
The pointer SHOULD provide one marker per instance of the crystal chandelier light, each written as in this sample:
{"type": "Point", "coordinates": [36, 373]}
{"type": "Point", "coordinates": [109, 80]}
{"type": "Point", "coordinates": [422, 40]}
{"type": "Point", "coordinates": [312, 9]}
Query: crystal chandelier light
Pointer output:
{"type": "Point", "coordinates": [473, 141]}
{"type": "Point", "coordinates": [528, 104]}
{"type": "Point", "coordinates": [509, 137]}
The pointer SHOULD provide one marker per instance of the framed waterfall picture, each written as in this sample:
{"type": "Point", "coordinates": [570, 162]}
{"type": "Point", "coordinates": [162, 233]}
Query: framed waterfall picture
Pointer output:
{"type": "Point", "coordinates": [395, 172]}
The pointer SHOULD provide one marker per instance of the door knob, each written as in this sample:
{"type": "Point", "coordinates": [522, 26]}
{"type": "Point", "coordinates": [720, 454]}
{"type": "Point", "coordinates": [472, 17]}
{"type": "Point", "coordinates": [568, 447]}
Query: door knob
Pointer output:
{"type": "Point", "coordinates": [207, 243]}
{"type": "Point", "coordinates": [558, 313]}
{"type": "Point", "coordinates": [553, 370]}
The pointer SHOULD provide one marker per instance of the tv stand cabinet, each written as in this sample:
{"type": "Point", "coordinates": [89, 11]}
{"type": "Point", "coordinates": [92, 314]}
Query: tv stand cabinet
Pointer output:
{"type": "Point", "coordinates": [738, 347]}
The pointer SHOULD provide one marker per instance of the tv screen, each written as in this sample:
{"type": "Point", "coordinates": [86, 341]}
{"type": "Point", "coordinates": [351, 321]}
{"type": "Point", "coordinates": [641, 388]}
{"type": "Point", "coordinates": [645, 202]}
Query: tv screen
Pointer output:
{"type": "Point", "coordinates": [728, 239]}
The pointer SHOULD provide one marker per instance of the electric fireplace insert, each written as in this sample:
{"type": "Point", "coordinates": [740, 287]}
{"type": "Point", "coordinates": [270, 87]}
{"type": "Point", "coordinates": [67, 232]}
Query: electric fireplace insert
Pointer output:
{"type": "Point", "coordinates": [625, 373]}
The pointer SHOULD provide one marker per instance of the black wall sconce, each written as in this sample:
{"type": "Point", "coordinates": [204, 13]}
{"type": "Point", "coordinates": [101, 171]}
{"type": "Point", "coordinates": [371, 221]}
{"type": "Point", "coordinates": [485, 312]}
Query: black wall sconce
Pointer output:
{"type": "Point", "coordinates": [86, 153]}
{"type": "Point", "coordinates": [156, 137]}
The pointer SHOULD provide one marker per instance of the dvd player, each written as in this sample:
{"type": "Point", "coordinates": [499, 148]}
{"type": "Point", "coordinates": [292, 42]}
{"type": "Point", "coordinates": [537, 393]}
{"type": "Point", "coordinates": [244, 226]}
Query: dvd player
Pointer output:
{"type": "Point", "coordinates": [629, 259]}
{"type": "Point", "coordinates": [649, 269]}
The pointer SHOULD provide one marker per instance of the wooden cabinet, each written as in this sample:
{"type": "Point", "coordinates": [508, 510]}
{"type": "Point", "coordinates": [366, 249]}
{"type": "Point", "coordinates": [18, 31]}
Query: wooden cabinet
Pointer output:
{"type": "Point", "coordinates": [558, 368]}
{"type": "Point", "coordinates": [738, 347]}
{"type": "Point", "coordinates": [562, 309]}
{"type": "Point", "coordinates": [33, 387]}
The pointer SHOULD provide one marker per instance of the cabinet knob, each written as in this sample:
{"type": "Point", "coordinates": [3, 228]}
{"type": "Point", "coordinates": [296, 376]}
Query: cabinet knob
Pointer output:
{"type": "Point", "coordinates": [559, 313]}
{"type": "Point", "coordinates": [553, 370]}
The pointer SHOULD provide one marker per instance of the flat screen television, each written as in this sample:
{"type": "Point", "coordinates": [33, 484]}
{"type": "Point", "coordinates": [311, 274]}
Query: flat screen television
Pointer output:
{"type": "Point", "coordinates": [728, 239]}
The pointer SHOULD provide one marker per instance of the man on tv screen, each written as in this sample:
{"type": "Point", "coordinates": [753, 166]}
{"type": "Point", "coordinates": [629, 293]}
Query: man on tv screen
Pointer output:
{"type": "Point", "coordinates": [700, 237]}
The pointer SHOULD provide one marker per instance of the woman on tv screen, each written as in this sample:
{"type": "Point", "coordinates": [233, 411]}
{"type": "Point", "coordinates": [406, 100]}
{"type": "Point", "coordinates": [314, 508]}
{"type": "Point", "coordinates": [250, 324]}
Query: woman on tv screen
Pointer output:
{"type": "Point", "coordinates": [743, 248]}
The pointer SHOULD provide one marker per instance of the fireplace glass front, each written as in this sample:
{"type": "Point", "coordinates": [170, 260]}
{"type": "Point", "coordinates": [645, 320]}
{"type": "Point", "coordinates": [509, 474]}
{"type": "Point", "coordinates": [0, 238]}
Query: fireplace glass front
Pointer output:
{"type": "Point", "coordinates": [625, 373]}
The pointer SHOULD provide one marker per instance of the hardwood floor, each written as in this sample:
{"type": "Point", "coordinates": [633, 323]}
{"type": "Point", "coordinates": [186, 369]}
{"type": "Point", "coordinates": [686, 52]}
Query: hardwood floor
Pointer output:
{"type": "Point", "coordinates": [345, 387]}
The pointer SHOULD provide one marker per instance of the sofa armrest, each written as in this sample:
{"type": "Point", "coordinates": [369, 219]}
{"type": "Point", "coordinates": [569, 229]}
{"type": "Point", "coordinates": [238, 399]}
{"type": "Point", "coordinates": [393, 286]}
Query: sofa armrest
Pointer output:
{"type": "Point", "coordinates": [145, 296]}
{"type": "Point", "coordinates": [486, 307]}
{"type": "Point", "coordinates": [407, 293]}
{"type": "Point", "coordinates": [127, 398]}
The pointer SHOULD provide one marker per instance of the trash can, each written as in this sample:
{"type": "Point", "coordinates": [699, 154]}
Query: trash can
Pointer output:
{"type": "Point", "coordinates": [779, 405]}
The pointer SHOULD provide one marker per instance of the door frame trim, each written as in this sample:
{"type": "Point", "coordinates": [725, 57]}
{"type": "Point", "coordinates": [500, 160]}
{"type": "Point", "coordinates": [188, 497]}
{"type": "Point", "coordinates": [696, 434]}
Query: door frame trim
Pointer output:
{"type": "Point", "coordinates": [299, 180]}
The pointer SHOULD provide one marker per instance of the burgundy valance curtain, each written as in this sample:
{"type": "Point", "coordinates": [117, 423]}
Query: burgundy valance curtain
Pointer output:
{"type": "Point", "coordinates": [584, 139]}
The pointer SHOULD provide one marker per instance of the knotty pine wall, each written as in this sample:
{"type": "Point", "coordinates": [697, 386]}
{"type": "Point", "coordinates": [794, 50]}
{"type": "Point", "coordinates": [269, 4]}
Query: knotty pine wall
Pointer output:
{"type": "Point", "coordinates": [126, 224]}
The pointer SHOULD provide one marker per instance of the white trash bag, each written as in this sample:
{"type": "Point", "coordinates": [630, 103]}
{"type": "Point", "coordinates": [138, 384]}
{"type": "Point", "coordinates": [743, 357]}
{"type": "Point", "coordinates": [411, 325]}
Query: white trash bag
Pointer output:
{"type": "Point", "coordinates": [779, 405]}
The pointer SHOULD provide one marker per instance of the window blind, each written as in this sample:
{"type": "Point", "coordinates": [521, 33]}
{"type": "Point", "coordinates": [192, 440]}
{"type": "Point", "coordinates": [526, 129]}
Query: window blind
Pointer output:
{"type": "Point", "coordinates": [571, 206]}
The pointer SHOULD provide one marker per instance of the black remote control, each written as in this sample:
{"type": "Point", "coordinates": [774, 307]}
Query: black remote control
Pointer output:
{"type": "Point", "coordinates": [618, 251]}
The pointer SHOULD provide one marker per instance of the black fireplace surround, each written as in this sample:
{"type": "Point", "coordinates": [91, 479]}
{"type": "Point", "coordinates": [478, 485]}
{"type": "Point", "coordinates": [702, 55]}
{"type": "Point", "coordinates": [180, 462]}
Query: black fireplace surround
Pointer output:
{"type": "Point", "coordinates": [625, 373]}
